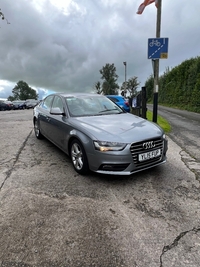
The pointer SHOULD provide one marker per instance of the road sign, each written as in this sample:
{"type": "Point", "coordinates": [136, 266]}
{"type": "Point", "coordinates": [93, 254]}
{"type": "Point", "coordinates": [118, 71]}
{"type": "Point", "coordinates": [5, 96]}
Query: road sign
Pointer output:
{"type": "Point", "coordinates": [158, 48]}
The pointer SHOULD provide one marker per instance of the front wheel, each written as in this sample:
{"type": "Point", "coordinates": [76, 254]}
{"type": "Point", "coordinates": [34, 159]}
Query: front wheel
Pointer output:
{"type": "Point", "coordinates": [37, 130]}
{"type": "Point", "coordinates": [79, 158]}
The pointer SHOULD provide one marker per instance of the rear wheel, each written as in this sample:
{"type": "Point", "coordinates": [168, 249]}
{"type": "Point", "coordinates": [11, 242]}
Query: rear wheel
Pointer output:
{"type": "Point", "coordinates": [37, 130]}
{"type": "Point", "coordinates": [79, 158]}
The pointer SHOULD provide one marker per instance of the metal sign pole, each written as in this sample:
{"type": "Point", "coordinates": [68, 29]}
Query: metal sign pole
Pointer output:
{"type": "Point", "coordinates": [156, 65]}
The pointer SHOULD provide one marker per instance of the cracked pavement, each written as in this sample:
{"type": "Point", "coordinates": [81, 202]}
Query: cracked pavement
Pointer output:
{"type": "Point", "coordinates": [51, 216]}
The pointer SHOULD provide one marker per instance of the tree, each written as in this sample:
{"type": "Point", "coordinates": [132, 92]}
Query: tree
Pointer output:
{"type": "Point", "coordinates": [109, 77]}
{"type": "Point", "coordinates": [149, 84]}
{"type": "Point", "coordinates": [131, 86]}
{"type": "Point", "coordinates": [196, 95]}
{"type": "Point", "coordinates": [98, 87]}
{"type": "Point", "coordinates": [179, 86]}
{"type": "Point", "coordinates": [22, 91]}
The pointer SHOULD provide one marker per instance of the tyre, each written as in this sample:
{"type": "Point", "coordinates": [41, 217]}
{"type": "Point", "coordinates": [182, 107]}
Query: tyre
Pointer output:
{"type": "Point", "coordinates": [78, 157]}
{"type": "Point", "coordinates": [37, 130]}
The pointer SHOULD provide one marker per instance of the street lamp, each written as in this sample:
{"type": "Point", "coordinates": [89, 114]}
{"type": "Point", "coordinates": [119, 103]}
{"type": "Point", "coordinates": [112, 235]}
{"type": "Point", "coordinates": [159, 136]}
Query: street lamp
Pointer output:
{"type": "Point", "coordinates": [125, 79]}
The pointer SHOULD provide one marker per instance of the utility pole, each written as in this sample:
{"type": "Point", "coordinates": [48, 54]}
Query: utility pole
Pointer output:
{"type": "Point", "coordinates": [155, 63]}
{"type": "Point", "coordinates": [125, 79]}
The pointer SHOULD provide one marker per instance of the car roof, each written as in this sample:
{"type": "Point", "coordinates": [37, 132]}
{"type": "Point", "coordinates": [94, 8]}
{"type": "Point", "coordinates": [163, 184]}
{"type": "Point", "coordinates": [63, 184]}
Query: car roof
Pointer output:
{"type": "Point", "coordinates": [116, 96]}
{"type": "Point", "coordinates": [76, 94]}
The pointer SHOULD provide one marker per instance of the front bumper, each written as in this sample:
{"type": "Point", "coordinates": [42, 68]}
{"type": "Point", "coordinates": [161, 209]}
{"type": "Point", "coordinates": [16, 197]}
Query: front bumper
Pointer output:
{"type": "Point", "coordinates": [126, 162]}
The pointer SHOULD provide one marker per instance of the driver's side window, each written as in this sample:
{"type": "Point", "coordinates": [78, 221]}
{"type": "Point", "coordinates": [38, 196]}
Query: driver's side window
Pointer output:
{"type": "Point", "coordinates": [57, 103]}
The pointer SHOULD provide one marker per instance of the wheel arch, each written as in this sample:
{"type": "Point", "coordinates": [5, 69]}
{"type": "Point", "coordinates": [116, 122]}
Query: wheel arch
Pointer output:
{"type": "Point", "coordinates": [82, 138]}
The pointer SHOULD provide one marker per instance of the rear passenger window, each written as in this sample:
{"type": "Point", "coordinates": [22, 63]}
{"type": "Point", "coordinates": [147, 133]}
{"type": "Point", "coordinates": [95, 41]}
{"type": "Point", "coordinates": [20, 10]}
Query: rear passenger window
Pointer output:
{"type": "Point", "coordinates": [47, 102]}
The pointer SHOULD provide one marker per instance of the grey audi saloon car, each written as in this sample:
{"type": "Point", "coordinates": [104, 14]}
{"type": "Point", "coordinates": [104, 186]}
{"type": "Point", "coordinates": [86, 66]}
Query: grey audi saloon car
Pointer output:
{"type": "Point", "coordinates": [98, 135]}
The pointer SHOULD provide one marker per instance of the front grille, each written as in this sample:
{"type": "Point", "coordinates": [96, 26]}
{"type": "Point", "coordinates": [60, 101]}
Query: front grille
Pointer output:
{"type": "Point", "coordinates": [138, 148]}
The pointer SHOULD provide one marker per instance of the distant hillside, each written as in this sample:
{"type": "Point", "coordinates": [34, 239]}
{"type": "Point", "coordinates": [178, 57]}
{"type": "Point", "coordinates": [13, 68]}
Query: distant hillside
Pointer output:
{"type": "Point", "coordinates": [180, 86]}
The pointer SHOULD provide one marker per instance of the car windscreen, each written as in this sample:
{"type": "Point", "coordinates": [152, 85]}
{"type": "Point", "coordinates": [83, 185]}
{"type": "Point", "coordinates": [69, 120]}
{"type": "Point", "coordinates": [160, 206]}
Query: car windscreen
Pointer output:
{"type": "Point", "coordinates": [91, 106]}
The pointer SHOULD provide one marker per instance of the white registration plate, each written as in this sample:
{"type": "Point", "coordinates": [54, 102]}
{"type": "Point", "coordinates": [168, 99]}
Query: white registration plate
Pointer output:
{"type": "Point", "coordinates": [149, 155]}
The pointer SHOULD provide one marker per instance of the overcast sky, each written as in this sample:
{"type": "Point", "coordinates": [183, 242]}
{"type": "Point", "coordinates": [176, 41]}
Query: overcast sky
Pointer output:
{"type": "Point", "coordinates": [60, 45]}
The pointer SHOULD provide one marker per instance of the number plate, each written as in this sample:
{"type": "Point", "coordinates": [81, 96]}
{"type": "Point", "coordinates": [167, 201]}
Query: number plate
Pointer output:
{"type": "Point", "coordinates": [149, 155]}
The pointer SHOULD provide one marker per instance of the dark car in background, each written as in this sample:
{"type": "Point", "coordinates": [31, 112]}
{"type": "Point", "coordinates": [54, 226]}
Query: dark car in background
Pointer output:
{"type": "Point", "coordinates": [31, 103]}
{"type": "Point", "coordinates": [6, 105]}
{"type": "Point", "coordinates": [98, 135]}
{"type": "Point", "coordinates": [19, 104]}
{"type": "Point", "coordinates": [3, 106]}
{"type": "Point", "coordinates": [9, 104]}
{"type": "Point", "coordinates": [120, 101]}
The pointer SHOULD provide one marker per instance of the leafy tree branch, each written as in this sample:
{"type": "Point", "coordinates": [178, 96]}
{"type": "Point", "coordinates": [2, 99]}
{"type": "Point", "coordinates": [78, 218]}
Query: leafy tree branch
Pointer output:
{"type": "Point", "coordinates": [3, 17]}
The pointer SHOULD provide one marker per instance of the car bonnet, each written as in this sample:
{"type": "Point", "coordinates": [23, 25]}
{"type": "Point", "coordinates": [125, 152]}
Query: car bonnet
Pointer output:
{"type": "Point", "coordinates": [123, 127]}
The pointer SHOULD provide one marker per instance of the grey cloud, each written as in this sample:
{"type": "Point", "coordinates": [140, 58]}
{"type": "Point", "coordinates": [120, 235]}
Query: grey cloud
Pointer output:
{"type": "Point", "coordinates": [65, 51]}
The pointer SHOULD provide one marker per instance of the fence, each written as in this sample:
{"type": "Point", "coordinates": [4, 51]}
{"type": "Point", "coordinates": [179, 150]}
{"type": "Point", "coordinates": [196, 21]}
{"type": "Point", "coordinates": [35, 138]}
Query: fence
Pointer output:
{"type": "Point", "coordinates": [138, 104]}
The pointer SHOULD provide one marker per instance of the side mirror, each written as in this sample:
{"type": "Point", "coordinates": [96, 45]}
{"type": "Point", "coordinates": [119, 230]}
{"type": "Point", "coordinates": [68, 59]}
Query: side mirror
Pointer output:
{"type": "Point", "coordinates": [56, 111]}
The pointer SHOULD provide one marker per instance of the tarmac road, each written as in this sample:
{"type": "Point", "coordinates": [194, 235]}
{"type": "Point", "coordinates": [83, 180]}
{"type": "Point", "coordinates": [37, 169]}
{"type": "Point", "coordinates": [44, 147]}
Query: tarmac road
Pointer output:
{"type": "Point", "coordinates": [51, 216]}
{"type": "Point", "coordinates": [186, 133]}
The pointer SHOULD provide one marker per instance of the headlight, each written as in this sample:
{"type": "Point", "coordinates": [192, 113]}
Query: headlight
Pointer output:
{"type": "Point", "coordinates": [104, 146]}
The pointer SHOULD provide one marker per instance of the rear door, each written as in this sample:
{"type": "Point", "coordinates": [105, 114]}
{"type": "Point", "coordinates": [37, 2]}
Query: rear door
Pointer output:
{"type": "Point", "coordinates": [44, 116]}
{"type": "Point", "coordinates": [57, 124]}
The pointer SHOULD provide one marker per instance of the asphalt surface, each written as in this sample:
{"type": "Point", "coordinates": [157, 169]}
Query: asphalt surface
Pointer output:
{"type": "Point", "coordinates": [186, 133]}
{"type": "Point", "coordinates": [51, 216]}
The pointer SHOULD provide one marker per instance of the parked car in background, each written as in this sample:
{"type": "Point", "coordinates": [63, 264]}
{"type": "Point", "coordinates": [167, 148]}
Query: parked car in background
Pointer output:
{"type": "Point", "coordinates": [3, 106]}
{"type": "Point", "coordinates": [19, 104]}
{"type": "Point", "coordinates": [9, 103]}
{"type": "Point", "coordinates": [22, 105]}
{"type": "Point", "coordinates": [6, 105]}
{"type": "Point", "coordinates": [98, 135]}
{"type": "Point", "coordinates": [31, 103]}
{"type": "Point", "coordinates": [120, 101]}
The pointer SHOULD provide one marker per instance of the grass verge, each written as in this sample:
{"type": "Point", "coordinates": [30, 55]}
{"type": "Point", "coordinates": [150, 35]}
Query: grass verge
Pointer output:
{"type": "Point", "coordinates": [163, 123]}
